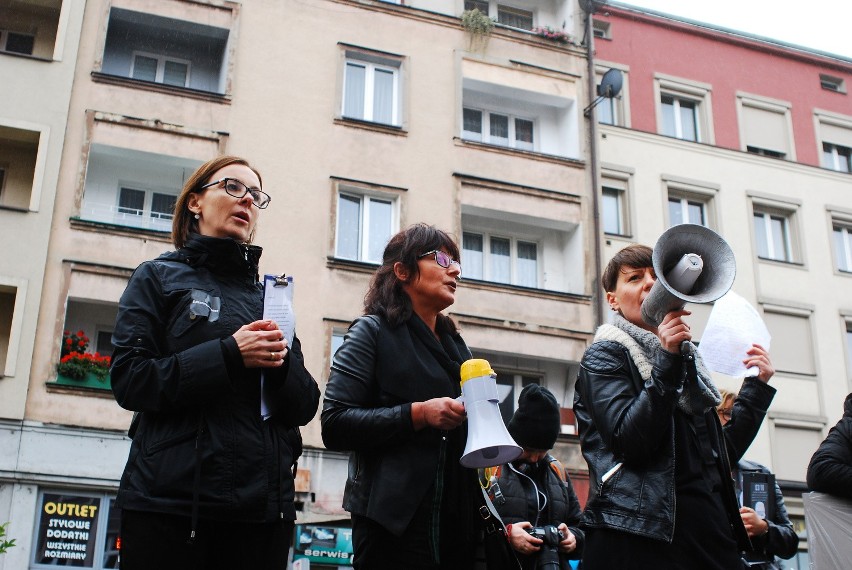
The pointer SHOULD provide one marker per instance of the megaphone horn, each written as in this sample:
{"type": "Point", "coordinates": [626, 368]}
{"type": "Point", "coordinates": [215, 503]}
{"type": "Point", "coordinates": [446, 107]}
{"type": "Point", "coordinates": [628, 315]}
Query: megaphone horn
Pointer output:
{"type": "Point", "coordinates": [488, 440]}
{"type": "Point", "coordinates": [693, 265]}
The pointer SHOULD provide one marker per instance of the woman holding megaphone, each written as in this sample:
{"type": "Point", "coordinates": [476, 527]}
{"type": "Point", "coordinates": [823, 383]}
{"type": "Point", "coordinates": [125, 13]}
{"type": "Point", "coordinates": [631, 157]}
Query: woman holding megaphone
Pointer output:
{"type": "Point", "coordinates": [390, 401]}
{"type": "Point", "coordinates": [659, 460]}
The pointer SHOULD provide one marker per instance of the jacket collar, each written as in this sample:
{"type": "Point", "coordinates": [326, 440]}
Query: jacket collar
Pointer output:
{"type": "Point", "coordinates": [222, 255]}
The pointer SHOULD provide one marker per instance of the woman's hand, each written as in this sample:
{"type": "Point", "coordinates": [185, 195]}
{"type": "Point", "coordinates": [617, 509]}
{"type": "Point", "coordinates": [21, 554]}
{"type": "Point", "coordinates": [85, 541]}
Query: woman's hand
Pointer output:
{"type": "Point", "coordinates": [438, 413]}
{"type": "Point", "coordinates": [673, 331]}
{"type": "Point", "coordinates": [261, 344]}
{"type": "Point", "coordinates": [569, 541]}
{"type": "Point", "coordinates": [521, 540]}
{"type": "Point", "coordinates": [757, 356]}
{"type": "Point", "coordinates": [754, 525]}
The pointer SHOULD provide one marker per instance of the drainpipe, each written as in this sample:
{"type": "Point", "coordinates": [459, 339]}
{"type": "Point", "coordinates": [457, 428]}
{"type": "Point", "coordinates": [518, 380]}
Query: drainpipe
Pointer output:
{"type": "Point", "coordinates": [594, 164]}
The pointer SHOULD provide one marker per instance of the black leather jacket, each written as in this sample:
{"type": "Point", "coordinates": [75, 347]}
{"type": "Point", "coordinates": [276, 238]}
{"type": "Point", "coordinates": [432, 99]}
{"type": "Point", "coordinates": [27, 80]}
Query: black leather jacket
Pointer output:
{"type": "Point", "coordinates": [200, 445]}
{"type": "Point", "coordinates": [627, 433]}
{"type": "Point", "coordinates": [376, 375]}
{"type": "Point", "coordinates": [830, 468]}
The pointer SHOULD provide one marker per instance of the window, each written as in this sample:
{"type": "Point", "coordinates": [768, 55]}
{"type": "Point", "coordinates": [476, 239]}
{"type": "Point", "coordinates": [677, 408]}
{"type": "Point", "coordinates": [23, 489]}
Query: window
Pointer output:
{"type": "Point", "coordinates": [499, 129]}
{"type": "Point", "coordinates": [481, 5]}
{"type": "Point", "coordinates": [511, 384]}
{"type": "Point", "coordinates": [765, 127]}
{"type": "Point", "coordinates": [614, 206]}
{"type": "Point", "coordinates": [103, 342]}
{"type": "Point", "coordinates": [686, 211]}
{"type": "Point", "coordinates": [772, 235]}
{"type": "Point", "coordinates": [188, 53]}
{"type": "Point", "coordinates": [365, 223]}
{"type": "Point", "coordinates": [514, 17]}
{"type": "Point", "coordinates": [15, 42]}
{"type": "Point", "coordinates": [684, 109]}
{"type": "Point", "coordinates": [160, 69]}
{"type": "Point", "coordinates": [500, 259]}
{"type": "Point", "coordinates": [96, 548]}
{"type": "Point", "coordinates": [95, 317]}
{"type": "Point", "coordinates": [611, 110]}
{"type": "Point", "coordinates": [842, 234]}
{"type": "Point", "coordinates": [18, 170]}
{"type": "Point", "coordinates": [2, 180]}
{"type": "Point", "coordinates": [8, 297]}
{"type": "Point", "coordinates": [371, 88]}
{"type": "Point", "coordinates": [601, 29]}
{"type": "Point", "coordinates": [680, 118]}
{"type": "Point", "coordinates": [690, 201]}
{"type": "Point", "coordinates": [157, 206]}
{"type": "Point", "coordinates": [792, 340]}
{"type": "Point", "coordinates": [831, 83]}
{"type": "Point", "coordinates": [837, 157]}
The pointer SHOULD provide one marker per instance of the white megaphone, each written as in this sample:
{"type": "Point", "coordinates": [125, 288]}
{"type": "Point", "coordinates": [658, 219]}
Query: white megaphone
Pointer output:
{"type": "Point", "coordinates": [693, 265]}
{"type": "Point", "coordinates": [488, 441]}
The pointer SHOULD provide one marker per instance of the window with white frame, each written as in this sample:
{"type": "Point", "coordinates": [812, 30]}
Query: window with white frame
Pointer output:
{"type": "Point", "coordinates": [498, 129]}
{"type": "Point", "coordinates": [614, 209]}
{"type": "Point", "coordinates": [683, 210]}
{"type": "Point", "coordinates": [601, 29]}
{"type": "Point", "coordinates": [842, 234]}
{"type": "Point", "coordinates": [611, 110]}
{"type": "Point", "coordinates": [511, 383]}
{"type": "Point", "coordinates": [365, 223]}
{"type": "Point", "coordinates": [514, 17]}
{"type": "Point", "coordinates": [158, 206]}
{"type": "Point", "coordinates": [481, 5]}
{"type": "Point", "coordinates": [774, 233]}
{"type": "Point", "coordinates": [837, 157]}
{"type": "Point", "coordinates": [684, 109]}
{"type": "Point", "coordinates": [832, 83]}
{"type": "Point", "coordinates": [16, 42]}
{"type": "Point", "coordinates": [835, 135]}
{"type": "Point", "coordinates": [766, 127]}
{"type": "Point", "coordinates": [500, 259]}
{"type": "Point", "coordinates": [160, 69]}
{"type": "Point", "coordinates": [371, 88]}
{"type": "Point", "coordinates": [680, 117]}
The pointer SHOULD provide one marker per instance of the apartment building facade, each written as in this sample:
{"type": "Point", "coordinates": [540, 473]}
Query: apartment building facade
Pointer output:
{"type": "Point", "coordinates": [752, 138]}
{"type": "Point", "coordinates": [363, 117]}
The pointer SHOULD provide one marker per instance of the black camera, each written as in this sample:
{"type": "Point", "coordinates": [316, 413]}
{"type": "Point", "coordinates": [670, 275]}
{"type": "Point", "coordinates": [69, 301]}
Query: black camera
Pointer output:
{"type": "Point", "coordinates": [548, 554]}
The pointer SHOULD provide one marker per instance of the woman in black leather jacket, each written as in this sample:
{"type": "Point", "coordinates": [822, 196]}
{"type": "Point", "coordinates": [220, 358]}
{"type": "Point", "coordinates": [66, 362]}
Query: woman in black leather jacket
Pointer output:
{"type": "Point", "coordinates": [390, 401]}
{"type": "Point", "coordinates": [209, 482]}
{"type": "Point", "coordinates": [661, 494]}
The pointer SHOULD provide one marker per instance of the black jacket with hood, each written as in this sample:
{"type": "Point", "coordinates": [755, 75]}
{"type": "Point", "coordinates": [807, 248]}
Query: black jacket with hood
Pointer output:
{"type": "Point", "coordinates": [830, 469]}
{"type": "Point", "coordinates": [200, 447]}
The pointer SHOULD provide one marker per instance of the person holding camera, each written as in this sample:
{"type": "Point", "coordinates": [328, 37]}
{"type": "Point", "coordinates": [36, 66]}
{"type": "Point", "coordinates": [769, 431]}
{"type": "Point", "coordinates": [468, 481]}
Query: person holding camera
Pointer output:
{"type": "Point", "coordinates": [533, 494]}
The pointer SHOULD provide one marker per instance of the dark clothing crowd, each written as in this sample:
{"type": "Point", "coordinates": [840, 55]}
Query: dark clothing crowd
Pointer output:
{"type": "Point", "coordinates": [219, 390]}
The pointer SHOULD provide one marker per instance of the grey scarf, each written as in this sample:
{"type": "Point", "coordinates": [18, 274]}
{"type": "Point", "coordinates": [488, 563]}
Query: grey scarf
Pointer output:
{"type": "Point", "coordinates": [643, 345]}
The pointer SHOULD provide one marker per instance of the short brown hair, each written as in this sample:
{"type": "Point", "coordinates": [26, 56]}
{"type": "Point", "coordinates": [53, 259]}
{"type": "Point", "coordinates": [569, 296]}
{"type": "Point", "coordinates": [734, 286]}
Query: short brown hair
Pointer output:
{"type": "Point", "coordinates": [184, 221]}
{"type": "Point", "coordinates": [635, 255]}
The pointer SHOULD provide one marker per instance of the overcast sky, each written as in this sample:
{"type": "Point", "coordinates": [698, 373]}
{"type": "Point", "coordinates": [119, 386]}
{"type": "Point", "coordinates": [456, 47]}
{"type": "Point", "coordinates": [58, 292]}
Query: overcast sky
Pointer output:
{"type": "Point", "coordinates": [824, 25]}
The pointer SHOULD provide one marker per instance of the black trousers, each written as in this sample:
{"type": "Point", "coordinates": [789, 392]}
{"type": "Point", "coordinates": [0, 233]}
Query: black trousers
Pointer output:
{"type": "Point", "coordinates": [154, 541]}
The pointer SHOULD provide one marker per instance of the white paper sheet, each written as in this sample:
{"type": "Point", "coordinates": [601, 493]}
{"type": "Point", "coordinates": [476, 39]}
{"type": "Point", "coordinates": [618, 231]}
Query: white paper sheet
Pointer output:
{"type": "Point", "coordinates": [734, 325]}
{"type": "Point", "coordinates": [278, 307]}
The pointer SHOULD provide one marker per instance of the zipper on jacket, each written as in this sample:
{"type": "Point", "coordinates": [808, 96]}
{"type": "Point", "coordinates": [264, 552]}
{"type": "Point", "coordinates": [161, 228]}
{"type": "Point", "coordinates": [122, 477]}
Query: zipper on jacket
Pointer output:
{"type": "Point", "coordinates": [435, 526]}
{"type": "Point", "coordinates": [196, 481]}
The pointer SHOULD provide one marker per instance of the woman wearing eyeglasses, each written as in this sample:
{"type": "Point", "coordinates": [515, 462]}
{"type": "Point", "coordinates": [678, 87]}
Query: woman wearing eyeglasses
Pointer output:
{"type": "Point", "coordinates": [209, 482]}
{"type": "Point", "coordinates": [390, 402]}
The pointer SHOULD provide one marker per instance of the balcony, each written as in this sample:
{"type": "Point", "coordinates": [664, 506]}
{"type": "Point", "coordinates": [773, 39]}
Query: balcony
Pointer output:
{"type": "Point", "coordinates": [29, 28]}
{"type": "Point", "coordinates": [18, 152]}
{"type": "Point", "coordinates": [165, 51]}
{"type": "Point", "coordinates": [133, 189]}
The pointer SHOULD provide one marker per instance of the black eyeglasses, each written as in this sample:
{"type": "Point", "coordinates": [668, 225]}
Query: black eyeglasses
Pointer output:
{"type": "Point", "coordinates": [727, 413]}
{"type": "Point", "coordinates": [442, 259]}
{"type": "Point", "coordinates": [237, 189]}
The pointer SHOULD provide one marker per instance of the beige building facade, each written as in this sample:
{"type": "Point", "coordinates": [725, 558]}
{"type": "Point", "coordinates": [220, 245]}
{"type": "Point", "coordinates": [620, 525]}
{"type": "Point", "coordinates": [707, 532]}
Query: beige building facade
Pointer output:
{"type": "Point", "coordinates": [363, 118]}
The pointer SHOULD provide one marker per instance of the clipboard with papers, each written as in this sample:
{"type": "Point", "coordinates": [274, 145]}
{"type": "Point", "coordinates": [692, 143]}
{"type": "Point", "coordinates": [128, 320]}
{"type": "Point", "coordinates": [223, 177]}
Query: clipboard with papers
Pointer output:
{"type": "Point", "coordinates": [278, 307]}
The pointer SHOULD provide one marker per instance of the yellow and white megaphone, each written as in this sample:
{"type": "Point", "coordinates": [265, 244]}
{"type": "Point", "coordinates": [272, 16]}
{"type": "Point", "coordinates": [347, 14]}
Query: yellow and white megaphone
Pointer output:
{"type": "Point", "coordinates": [488, 441]}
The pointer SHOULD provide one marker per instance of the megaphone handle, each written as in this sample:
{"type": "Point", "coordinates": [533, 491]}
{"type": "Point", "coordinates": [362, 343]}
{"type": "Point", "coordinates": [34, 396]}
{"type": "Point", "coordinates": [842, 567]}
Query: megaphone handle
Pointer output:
{"type": "Point", "coordinates": [690, 372]}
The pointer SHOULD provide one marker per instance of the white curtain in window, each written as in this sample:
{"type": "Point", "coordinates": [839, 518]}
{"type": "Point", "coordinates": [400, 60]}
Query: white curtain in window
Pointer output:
{"type": "Point", "coordinates": [501, 260]}
{"type": "Point", "coordinates": [383, 96]}
{"type": "Point", "coordinates": [348, 226]}
{"type": "Point", "coordinates": [354, 88]}
{"type": "Point", "coordinates": [688, 124]}
{"type": "Point", "coordinates": [381, 212]}
{"type": "Point", "coordinates": [472, 255]}
{"type": "Point", "coordinates": [527, 265]}
{"type": "Point", "coordinates": [472, 124]}
{"type": "Point", "coordinates": [499, 133]}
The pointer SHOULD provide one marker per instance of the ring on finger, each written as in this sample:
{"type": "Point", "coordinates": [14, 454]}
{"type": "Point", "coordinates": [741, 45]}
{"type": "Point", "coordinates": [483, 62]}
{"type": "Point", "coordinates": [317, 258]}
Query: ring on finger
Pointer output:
{"type": "Point", "coordinates": [272, 356]}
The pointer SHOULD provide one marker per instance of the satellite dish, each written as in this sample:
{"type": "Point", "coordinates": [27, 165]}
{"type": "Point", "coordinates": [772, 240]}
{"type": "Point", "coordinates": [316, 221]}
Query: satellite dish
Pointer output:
{"type": "Point", "coordinates": [591, 6]}
{"type": "Point", "coordinates": [610, 84]}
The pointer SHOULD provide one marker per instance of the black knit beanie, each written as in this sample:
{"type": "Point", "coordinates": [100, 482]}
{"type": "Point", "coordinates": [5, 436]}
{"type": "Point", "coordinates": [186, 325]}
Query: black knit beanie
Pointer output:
{"type": "Point", "coordinates": [537, 421]}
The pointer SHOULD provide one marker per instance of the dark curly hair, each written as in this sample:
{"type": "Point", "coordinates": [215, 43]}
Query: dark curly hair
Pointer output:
{"type": "Point", "coordinates": [385, 295]}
